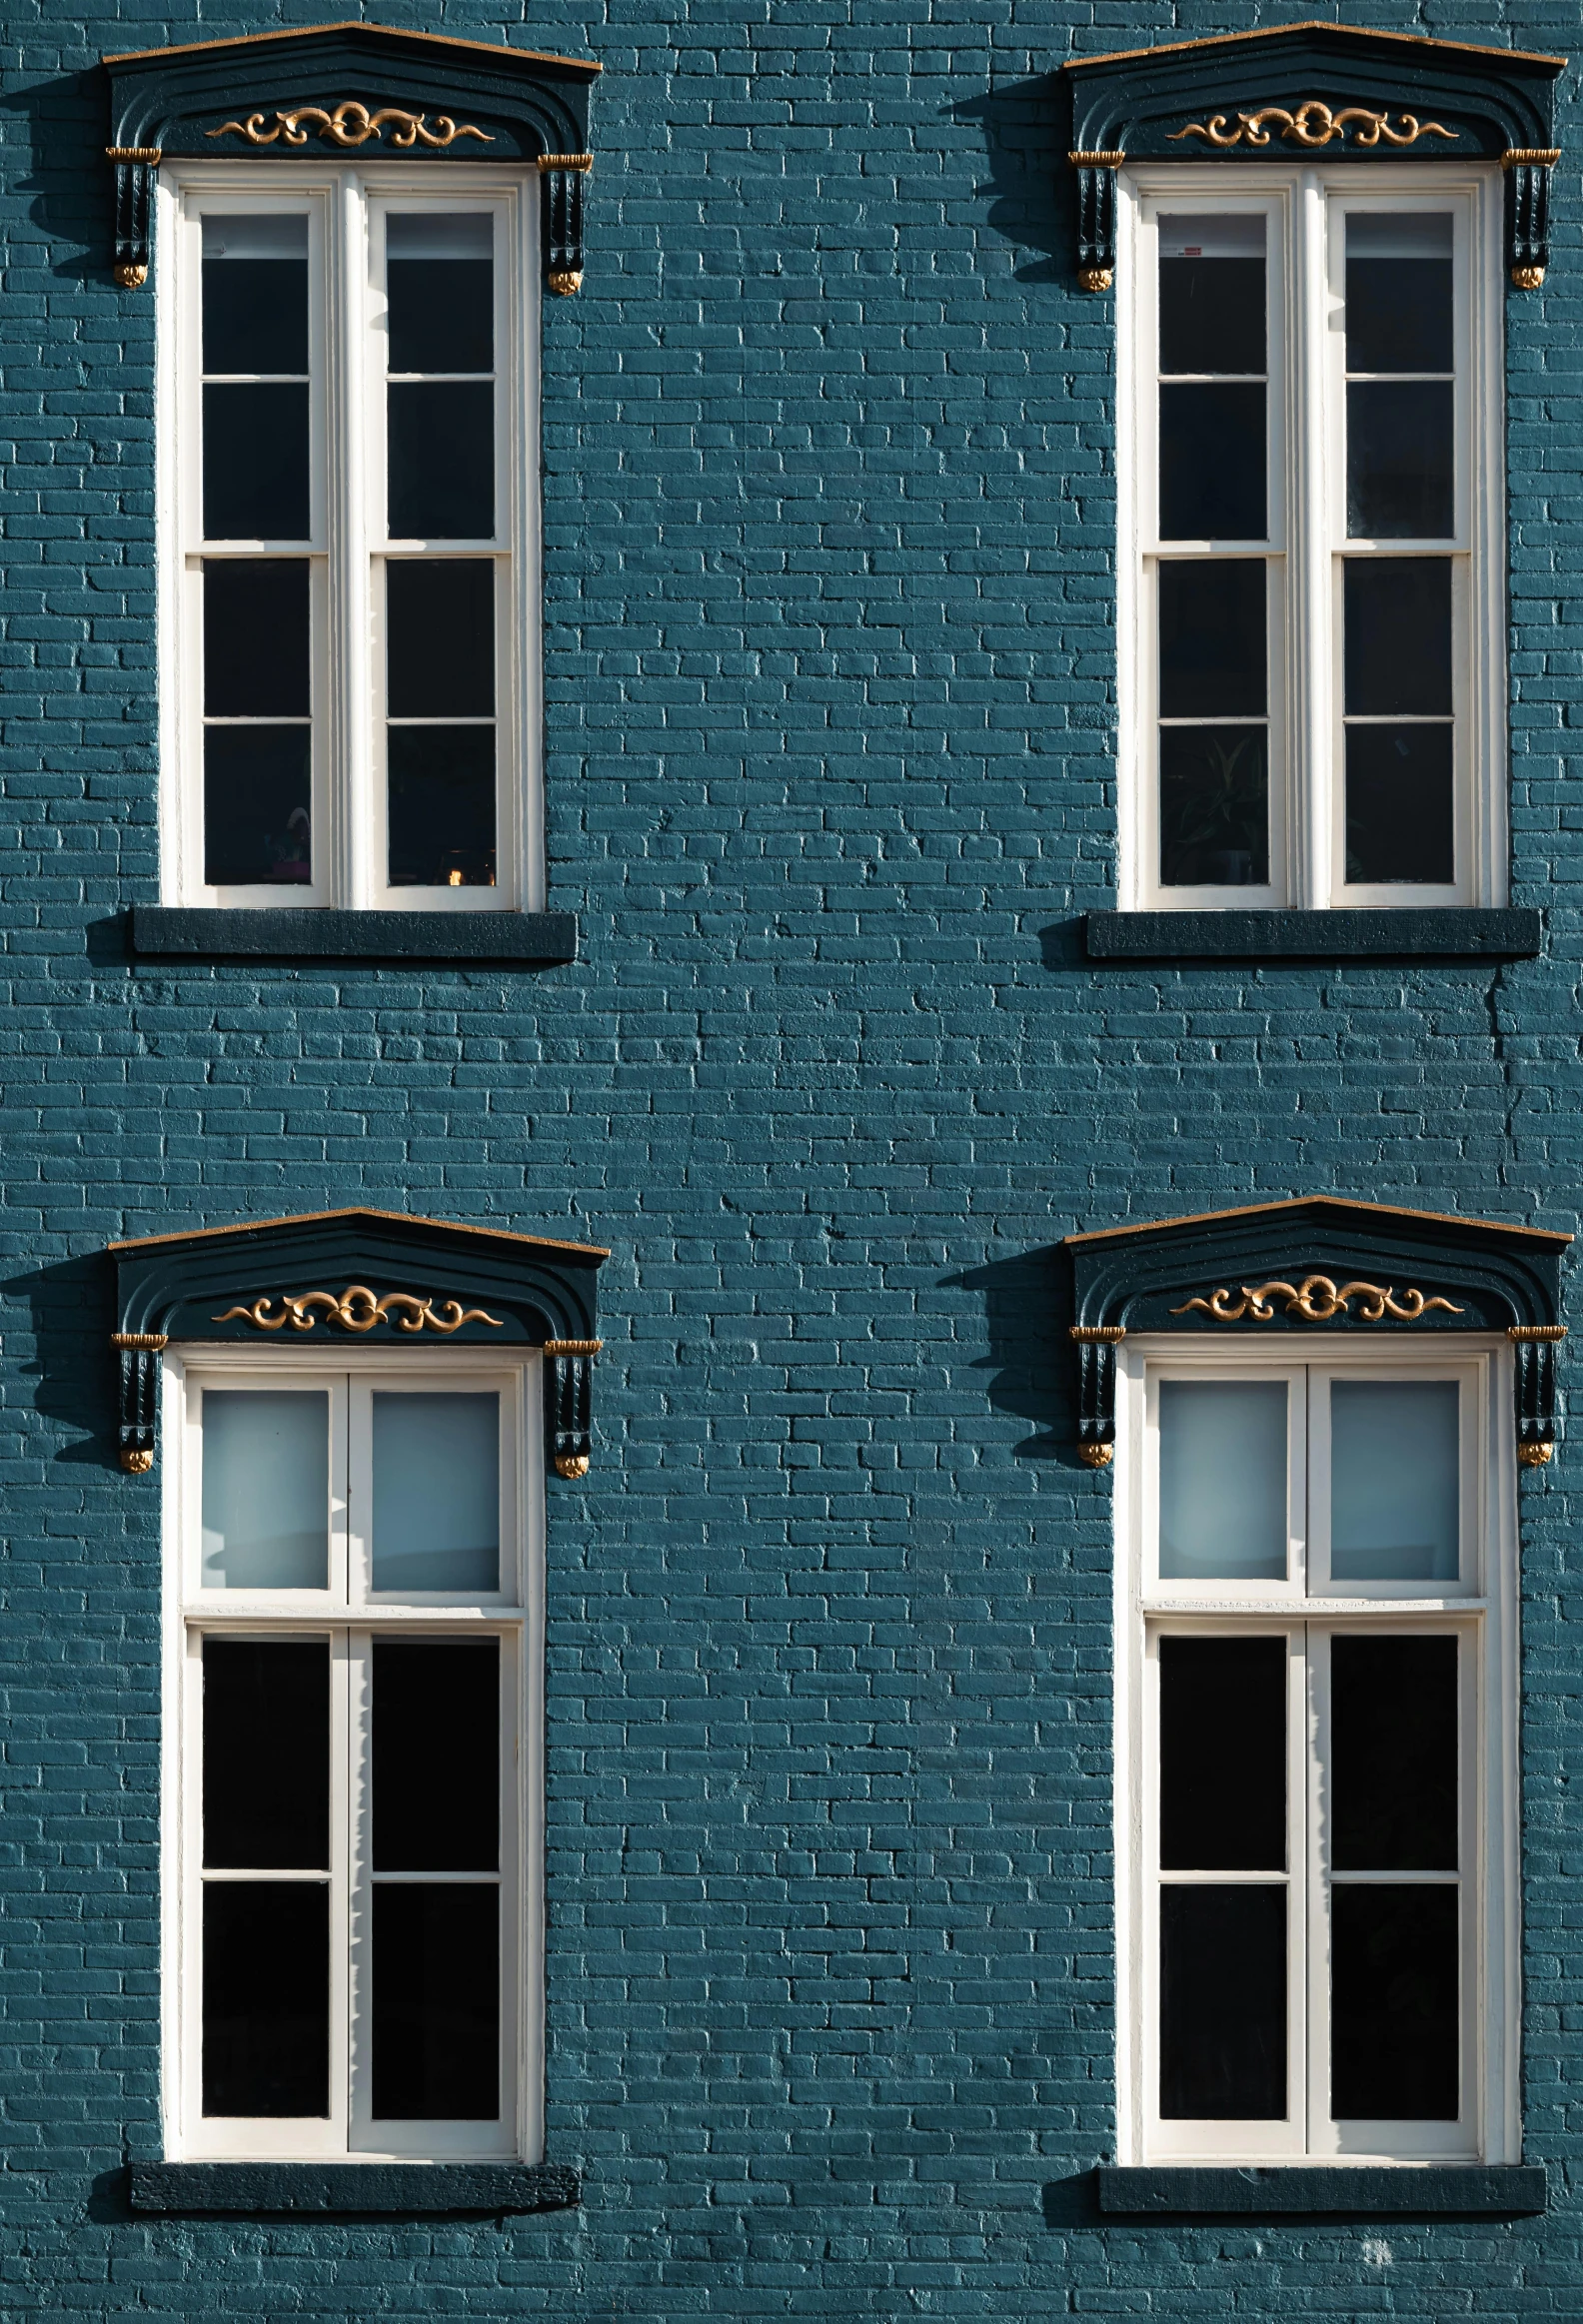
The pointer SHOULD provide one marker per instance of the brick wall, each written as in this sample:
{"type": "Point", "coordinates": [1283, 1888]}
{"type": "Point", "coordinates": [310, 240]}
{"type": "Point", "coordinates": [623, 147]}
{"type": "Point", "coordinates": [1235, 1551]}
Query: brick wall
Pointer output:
{"type": "Point", "coordinates": [829, 567]}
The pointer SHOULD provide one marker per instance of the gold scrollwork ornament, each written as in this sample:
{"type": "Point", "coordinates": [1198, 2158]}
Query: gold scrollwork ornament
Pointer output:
{"type": "Point", "coordinates": [350, 124]}
{"type": "Point", "coordinates": [1317, 1300]}
{"type": "Point", "coordinates": [359, 1310]}
{"type": "Point", "coordinates": [1313, 124]}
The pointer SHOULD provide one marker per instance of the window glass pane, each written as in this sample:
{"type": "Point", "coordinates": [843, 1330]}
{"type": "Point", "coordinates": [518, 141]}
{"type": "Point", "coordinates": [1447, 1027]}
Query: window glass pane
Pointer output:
{"type": "Point", "coordinates": [436, 1492]}
{"type": "Point", "coordinates": [1393, 1746]}
{"type": "Point", "coordinates": [265, 1489]}
{"type": "Point", "coordinates": [1393, 1480]}
{"type": "Point", "coordinates": [440, 277]}
{"type": "Point", "coordinates": [255, 461]}
{"type": "Point", "coordinates": [1214, 806]}
{"type": "Point", "coordinates": [1212, 294]}
{"type": "Point", "coordinates": [1400, 469]}
{"type": "Point", "coordinates": [435, 2013]}
{"type": "Point", "coordinates": [441, 805]}
{"type": "Point", "coordinates": [441, 459]}
{"type": "Point", "coordinates": [1212, 637]}
{"type": "Point", "coordinates": [1211, 459]}
{"type": "Point", "coordinates": [1398, 636]}
{"type": "Point", "coordinates": [266, 1754]}
{"type": "Point", "coordinates": [254, 294]}
{"type": "Point", "coordinates": [1222, 1754]}
{"type": "Point", "coordinates": [1394, 1993]}
{"type": "Point", "coordinates": [440, 627]}
{"type": "Point", "coordinates": [1222, 1479]}
{"type": "Point", "coordinates": [436, 1756]}
{"type": "Point", "coordinates": [1400, 804]}
{"type": "Point", "coordinates": [256, 648]}
{"type": "Point", "coordinates": [1223, 2003]}
{"type": "Point", "coordinates": [258, 805]}
{"type": "Point", "coordinates": [266, 1997]}
{"type": "Point", "coordinates": [1398, 291]}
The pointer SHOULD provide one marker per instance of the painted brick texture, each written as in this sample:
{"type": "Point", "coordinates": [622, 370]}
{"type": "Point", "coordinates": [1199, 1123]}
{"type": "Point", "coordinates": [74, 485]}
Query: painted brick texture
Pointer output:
{"type": "Point", "coordinates": [829, 491]}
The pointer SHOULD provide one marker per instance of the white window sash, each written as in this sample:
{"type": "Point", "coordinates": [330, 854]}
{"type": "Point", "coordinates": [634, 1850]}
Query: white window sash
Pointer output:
{"type": "Point", "coordinates": [1482, 1607]}
{"type": "Point", "coordinates": [346, 205]}
{"type": "Point", "coordinates": [350, 1618]}
{"type": "Point", "coordinates": [1306, 207]}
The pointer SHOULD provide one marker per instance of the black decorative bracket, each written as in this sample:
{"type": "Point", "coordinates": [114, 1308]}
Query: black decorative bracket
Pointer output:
{"type": "Point", "coordinates": [371, 1277]}
{"type": "Point", "coordinates": [1257, 1272]}
{"type": "Point", "coordinates": [1336, 92]}
{"type": "Point", "coordinates": [561, 177]}
{"type": "Point", "coordinates": [287, 97]}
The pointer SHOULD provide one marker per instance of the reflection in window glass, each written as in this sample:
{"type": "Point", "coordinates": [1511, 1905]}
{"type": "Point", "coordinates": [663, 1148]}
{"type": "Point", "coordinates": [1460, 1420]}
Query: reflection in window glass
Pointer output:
{"type": "Point", "coordinates": [436, 1492]}
{"type": "Point", "coordinates": [1400, 394]}
{"type": "Point", "coordinates": [255, 369]}
{"type": "Point", "coordinates": [1393, 1481]}
{"type": "Point", "coordinates": [1212, 378]}
{"type": "Point", "coordinates": [1222, 1479]}
{"type": "Point", "coordinates": [265, 1489]}
{"type": "Point", "coordinates": [439, 276]}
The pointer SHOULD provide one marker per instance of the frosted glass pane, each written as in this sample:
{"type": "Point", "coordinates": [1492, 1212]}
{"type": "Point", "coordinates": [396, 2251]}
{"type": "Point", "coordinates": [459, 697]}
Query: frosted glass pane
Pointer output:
{"type": "Point", "coordinates": [436, 1492]}
{"type": "Point", "coordinates": [1222, 1479]}
{"type": "Point", "coordinates": [1393, 1481]}
{"type": "Point", "coordinates": [265, 1489]}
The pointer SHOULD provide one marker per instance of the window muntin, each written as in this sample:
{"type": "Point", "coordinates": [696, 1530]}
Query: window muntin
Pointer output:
{"type": "Point", "coordinates": [351, 1927]}
{"type": "Point", "coordinates": [350, 689]}
{"type": "Point", "coordinates": [1318, 1929]}
{"type": "Point", "coordinates": [1363, 762]}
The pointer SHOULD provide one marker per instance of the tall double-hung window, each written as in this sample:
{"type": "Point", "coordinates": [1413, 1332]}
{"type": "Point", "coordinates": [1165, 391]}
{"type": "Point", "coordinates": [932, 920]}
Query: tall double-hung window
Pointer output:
{"type": "Point", "coordinates": [1312, 621]}
{"type": "Point", "coordinates": [350, 688]}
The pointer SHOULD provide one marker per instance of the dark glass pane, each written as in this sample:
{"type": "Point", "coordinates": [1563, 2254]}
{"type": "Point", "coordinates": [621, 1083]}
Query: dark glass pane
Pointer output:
{"type": "Point", "coordinates": [440, 626]}
{"type": "Point", "coordinates": [436, 2002]}
{"type": "Point", "coordinates": [441, 280]}
{"type": "Point", "coordinates": [1400, 465]}
{"type": "Point", "coordinates": [266, 1997]}
{"type": "Point", "coordinates": [1212, 638]}
{"type": "Point", "coordinates": [256, 638]}
{"type": "Point", "coordinates": [1398, 634]}
{"type": "Point", "coordinates": [255, 294]}
{"type": "Point", "coordinates": [1212, 456]}
{"type": "Point", "coordinates": [1393, 1754]}
{"type": "Point", "coordinates": [442, 806]}
{"type": "Point", "coordinates": [1399, 804]}
{"type": "Point", "coordinates": [436, 1770]}
{"type": "Point", "coordinates": [1211, 298]}
{"type": "Point", "coordinates": [1393, 2003]}
{"type": "Point", "coordinates": [1224, 2004]}
{"type": "Point", "coordinates": [257, 815]}
{"type": "Point", "coordinates": [1222, 1754]}
{"type": "Point", "coordinates": [441, 461]}
{"type": "Point", "coordinates": [254, 463]}
{"type": "Point", "coordinates": [1214, 806]}
{"type": "Point", "coordinates": [1398, 292]}
{"type": "Point", "coordinates": [266, 1754]}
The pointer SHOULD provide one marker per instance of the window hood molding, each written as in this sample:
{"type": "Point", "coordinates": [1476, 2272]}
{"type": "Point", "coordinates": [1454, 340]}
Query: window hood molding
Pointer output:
{"type": "Point", "coordinates": [361, 1277]}
{"type": "Point", "coordinates": [300, 96]}
{"type": "Point", "coordinates": [1328, 92]}
{"type": "Point", "coordinates": [1318, 1264]}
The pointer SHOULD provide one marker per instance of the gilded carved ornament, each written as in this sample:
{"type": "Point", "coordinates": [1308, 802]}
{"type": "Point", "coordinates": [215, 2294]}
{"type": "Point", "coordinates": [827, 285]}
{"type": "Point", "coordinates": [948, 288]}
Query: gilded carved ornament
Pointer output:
{"type": "Point", "coordinates": [359, 1310]}
{"type": "Point", "coordinates": [1313, 124]}
{"type": "Point", "coordinates": [351, 123]}
{"type": "Point", "coordinates": [1317, 1299]}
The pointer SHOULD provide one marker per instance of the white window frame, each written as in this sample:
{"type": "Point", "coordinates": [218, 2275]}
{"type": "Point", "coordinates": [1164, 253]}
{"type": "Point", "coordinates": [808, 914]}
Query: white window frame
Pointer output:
{"type": "Point", "coordinates": [1481, 1609]}
{"type": "Point", "coordinates": [352, 1616]}
{"type": "Point", "coordinates": [346, 205]}
{"type": "Point", "coordinates": [1307, 534]}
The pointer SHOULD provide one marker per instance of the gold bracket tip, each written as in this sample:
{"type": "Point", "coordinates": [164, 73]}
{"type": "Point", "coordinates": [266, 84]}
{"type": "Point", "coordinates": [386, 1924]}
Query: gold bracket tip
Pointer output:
{"type": "Point", "coordinates": [137, 1463]}
{"type": "Point", "coordinates": [1097, 1456]}
{"type": "Point", "coordinates": [1534, 1455]}
{"type": "Point", "coordinates": [1527, 278]}
{"type": "Point", "coordinates": [1095, 277]}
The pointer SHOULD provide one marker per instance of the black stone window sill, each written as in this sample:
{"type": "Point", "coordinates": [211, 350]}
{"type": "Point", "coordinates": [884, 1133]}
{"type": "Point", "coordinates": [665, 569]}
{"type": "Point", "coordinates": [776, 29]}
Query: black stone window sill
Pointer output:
{"type": "Point", "coordinates": [398, 2188]}
{"type": "Point", "coordinates": [1367, 2190]}
{"type": "Point", "coordinates": [1443, 932]}
{"type": "Point", "coordinates": [320, 933]}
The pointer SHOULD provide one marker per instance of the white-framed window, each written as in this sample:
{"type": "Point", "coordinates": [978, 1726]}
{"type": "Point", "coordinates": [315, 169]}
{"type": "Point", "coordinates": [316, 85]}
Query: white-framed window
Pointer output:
{"type": "Point", "coordinates": [1316, 1814]}
{"type": "Point", "coordinates": [1311, 576]}
{"type": "Point", "coordinates": [347, 424]}
{"type": "Point", "coordinates": [351, 1839]}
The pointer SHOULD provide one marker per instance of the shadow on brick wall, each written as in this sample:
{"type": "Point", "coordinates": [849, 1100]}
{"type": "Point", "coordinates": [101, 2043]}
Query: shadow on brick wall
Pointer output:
{"type": "Point", "coordinates": [70, 184]}
{"type": "Point", "coordinates": [1033, 194]}
{"type": "Point", "coordinates": [72, 1305]}
{"type": "Point", "coordinates": [1028, 1306]}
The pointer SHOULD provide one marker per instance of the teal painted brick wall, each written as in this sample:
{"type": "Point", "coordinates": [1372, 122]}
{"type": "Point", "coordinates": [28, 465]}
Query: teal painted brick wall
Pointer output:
{"type": "Point", "coordinates": [829, 565]}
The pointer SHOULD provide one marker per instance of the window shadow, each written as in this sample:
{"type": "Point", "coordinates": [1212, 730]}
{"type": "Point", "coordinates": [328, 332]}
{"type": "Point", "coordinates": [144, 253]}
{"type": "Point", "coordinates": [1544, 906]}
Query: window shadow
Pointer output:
{"type": "Point", "coordinates": [70, 184]}
{"type": "Point", "coordinates": [73, 1366]}
{"type": "Point", "coordinates": [1027, 1308]}
{"type": "Point", "coordinates": [1026, 129]}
